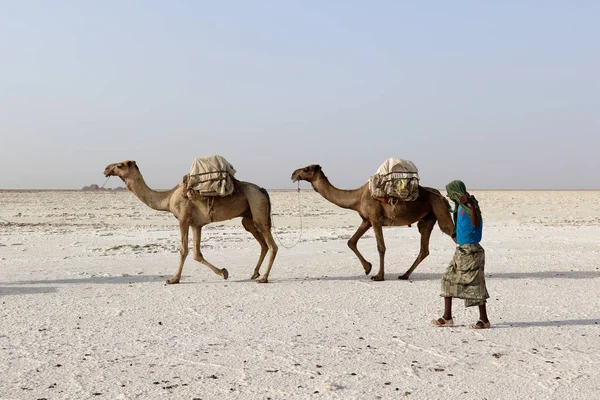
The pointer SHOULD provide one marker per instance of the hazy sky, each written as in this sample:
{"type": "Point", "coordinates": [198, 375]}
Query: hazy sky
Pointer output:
{"type": "Point", "coordinates": [498, 94]}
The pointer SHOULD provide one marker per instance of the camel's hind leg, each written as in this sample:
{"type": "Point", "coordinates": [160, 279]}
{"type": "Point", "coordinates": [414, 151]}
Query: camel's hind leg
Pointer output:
{"type": "Point", "coordinates": [197, 230]}
{"type": "Point", "coordinates": [249, 226]}
{"type": "Point", "coordinates": [184, 228]}
{"type": "Point", "coordinates": [425, 227]}
{"type": "Point", "coordinates": [352, 243]}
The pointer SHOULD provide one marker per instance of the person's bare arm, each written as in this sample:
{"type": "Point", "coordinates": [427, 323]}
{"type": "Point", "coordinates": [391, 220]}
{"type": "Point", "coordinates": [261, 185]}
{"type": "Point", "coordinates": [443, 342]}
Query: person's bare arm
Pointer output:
{"type": "Point", "coordinates": [474, 216]}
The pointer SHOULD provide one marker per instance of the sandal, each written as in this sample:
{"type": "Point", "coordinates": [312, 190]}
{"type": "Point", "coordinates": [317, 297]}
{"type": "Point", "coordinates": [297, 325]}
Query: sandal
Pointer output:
{"type": "Point", "coordinates": [480, 325]}
{"type": "Point", "coordinates": [442, 322]}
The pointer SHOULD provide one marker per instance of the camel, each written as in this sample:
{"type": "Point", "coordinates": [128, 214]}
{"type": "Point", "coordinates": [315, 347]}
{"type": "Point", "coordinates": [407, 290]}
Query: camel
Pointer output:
{"type": "Point", "coordinates": [248, 201]}
{"type": "Point", "coordinates": [428, 208]}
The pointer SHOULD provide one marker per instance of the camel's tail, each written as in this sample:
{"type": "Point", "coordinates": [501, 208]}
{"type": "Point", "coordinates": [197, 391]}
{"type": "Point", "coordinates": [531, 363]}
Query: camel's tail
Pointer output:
{"type": "Point", "coordinates": [263, 190]}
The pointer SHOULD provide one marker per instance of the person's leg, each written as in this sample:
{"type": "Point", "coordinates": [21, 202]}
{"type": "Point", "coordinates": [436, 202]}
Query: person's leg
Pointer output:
{"type": "Point", "coordinates": [449, 289]}
{"type": "Point", "coordinates": [446, 319]}
{"type": "Point", "coordinates": [447, 308]}
{"type": "Point", "coordinates": [483, 322]}
{"type": "Point", "coordinates": [472, 265]}
{"type": "Point", "coordinates": [483, 313]}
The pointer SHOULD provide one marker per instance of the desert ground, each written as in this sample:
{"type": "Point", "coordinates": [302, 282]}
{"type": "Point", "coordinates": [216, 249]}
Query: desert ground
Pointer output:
{"type": "Point", "coordinates": [85, 312]}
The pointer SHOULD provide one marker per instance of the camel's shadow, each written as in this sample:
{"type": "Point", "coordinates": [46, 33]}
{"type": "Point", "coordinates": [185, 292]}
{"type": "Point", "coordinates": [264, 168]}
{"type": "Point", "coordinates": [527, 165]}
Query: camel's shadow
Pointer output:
{"type": "Point", "coordinates": [127, 279]}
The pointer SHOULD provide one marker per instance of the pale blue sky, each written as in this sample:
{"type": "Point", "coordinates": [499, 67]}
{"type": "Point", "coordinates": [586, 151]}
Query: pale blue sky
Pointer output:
{"type": "Point", "coordinates": [498, 94]}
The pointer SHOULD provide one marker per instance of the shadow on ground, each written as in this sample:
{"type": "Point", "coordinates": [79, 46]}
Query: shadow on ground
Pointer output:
{"type": "Point", "coordinates": [20, 290]}
{"type": "Point", "coordinates": [428, 276]}
{"type": "Point", "coordinates": [567, 322]}
{"type": "Point", "coordinates": [96, 280]}
{"type": "Point", "coordinates": [127, 279]}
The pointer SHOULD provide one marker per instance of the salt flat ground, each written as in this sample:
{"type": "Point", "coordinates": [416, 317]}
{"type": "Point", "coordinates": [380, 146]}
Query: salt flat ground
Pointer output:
{"type": "Point", "coordinates": [85, 312]}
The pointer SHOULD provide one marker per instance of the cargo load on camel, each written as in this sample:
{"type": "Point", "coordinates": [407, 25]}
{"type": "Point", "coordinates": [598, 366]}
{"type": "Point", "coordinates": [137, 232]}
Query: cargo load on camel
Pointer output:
{"type": "Point", "coordinates": [210, 176]}
{"type": "Point", "coordinates": [395, 178]}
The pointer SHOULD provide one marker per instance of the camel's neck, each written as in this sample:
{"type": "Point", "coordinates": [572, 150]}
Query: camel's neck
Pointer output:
{"type": "Point", "coordinates": [153, 199]}
{"type": "Point", "coordinates": [342, 198]}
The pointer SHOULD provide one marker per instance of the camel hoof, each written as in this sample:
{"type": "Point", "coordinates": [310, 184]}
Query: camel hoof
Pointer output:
{"type": "Point", "coordinates": [377, 278]}
{"type": "Point", "coordinates": [404, 277]}
{"type": "Point", "coordinates": [368, 269]}
{"type": "Point", "coordinates": [224, 274]}
{"type": "Point", "coordinates": [263, 280]}
{"type": "Point", "coordinates": [172, 281]}
{"type": "Point", "coordinates": [255, 275]}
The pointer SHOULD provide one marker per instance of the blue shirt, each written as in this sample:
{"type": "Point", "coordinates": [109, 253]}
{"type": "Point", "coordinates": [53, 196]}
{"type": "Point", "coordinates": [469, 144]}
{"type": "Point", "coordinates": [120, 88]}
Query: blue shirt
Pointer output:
{"type": "Point", "coordinates": [465, 233]}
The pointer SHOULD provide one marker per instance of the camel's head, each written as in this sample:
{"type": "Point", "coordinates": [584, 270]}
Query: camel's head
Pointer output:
{"type": "Point", "coordinates": [124, 170]}
{"type": "Point", "coordinates": [307, 173]}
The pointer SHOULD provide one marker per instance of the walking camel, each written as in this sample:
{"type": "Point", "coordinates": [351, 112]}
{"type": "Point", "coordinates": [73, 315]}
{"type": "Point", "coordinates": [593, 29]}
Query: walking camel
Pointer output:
{"type": "Point", "coordinates": [248, 201]}
{"type": "Point", "coordinates": [428, 208]}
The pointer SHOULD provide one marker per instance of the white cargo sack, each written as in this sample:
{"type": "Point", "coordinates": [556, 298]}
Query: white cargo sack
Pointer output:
{"type": "Point", "coordinates": [210, 176]}
{"type": "Point", "coordinates": [396, 178]}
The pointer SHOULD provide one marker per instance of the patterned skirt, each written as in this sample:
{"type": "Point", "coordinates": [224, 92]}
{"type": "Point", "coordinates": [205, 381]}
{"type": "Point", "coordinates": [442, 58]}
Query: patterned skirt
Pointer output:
{"type": "Point", "coordinates": [464, 278]}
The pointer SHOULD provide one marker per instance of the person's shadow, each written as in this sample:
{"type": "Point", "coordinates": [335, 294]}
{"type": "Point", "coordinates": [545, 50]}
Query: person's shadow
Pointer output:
{"type": "Point", "coordinates": [557, 324]}
{"type": "Point", "coordinates": [391, 276]}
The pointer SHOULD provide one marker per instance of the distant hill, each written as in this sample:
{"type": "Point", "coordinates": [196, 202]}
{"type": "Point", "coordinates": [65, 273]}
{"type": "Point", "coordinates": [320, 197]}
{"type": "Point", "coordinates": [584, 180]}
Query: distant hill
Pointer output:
{"type": "Point", "coordinates": [96, 187]}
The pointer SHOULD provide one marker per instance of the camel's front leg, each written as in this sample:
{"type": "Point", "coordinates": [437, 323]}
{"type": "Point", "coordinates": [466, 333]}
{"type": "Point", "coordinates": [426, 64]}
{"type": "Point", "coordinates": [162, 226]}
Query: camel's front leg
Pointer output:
{"type": "Point", "coordinates": [249, 226]}
{"type": "Point", "coordinates": [197, 231]}
{"type": "Point", "coordinates": [266, 232]}
{"type": "Point", "coordinates": [184, 228]}
{"type": "Point", "coordinates": [381, 249]}
{"type": "Point", "coordinates": [352, 243]}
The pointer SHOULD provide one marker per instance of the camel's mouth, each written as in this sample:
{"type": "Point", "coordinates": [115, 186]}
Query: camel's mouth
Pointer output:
{"type": "Point", "coordinates": [296, 175]}
{"type": "Point", "coordinates": [110, 170]}
{"type": "Point", "coordinates": [306, 174]}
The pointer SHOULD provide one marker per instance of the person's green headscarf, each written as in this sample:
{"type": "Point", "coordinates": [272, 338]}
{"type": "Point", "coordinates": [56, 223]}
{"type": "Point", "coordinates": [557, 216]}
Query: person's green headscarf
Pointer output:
{"type": "Point", "coordinates": [455, 190]}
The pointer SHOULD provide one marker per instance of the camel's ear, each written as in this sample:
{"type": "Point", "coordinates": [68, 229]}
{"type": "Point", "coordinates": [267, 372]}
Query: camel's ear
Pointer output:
{"type": "Point", "coordinates": [317, 168]}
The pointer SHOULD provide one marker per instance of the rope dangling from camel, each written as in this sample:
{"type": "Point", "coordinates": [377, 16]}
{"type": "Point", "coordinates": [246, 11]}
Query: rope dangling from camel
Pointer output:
{"type": "Point", "coordinates": [56, 219]}
{"type": "Point", "coordinates": [301, 225]}
{"type": "Point", "coordinates": [211, 207]}
{"type": "Point", "coordinates": [394, 203]}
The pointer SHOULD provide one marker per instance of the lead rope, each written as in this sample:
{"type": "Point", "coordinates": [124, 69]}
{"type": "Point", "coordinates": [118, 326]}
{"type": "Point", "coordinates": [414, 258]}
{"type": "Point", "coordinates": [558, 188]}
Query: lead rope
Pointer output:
{"type": "Point", "coordinates": [394, 203]}
{"type": "Point", "coordinates": [301, 226]}
{"type": "Point", "coordinates": [56, 219]}
{"type": "Point", "coordinates": [441, 196]}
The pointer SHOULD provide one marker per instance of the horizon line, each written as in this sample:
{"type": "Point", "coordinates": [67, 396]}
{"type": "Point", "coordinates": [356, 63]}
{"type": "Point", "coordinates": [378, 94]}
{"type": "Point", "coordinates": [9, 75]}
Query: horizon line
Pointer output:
{"type": "Point", "coordinates": [309, 189]}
